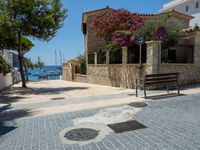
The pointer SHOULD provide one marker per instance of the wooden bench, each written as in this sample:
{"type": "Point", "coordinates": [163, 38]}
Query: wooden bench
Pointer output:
{"type": "Point", "coordinates": [157, 80]}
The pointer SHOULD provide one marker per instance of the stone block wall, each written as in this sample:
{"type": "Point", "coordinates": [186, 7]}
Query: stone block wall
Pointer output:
{"type": "Point", "coordinates": [68, 72]}
{"type": "Point", "coordinates": [119, 75]}
{"type": "Point", "coordinates": [189, 73]}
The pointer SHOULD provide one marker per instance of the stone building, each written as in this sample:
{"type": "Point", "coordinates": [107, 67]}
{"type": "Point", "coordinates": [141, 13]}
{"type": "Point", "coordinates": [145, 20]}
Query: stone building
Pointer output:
{"type": "Point", "coordinates": [124, 74]}
{"type": "Point", "coordinates": [92, 42]}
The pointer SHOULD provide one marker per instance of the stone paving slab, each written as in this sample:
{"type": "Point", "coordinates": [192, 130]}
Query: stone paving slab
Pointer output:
{"type": "Point", "coordinates": [172, 123]}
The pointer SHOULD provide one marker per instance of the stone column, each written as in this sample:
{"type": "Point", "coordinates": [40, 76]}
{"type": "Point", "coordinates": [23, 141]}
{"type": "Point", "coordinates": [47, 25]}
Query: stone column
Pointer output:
{"type": "Point", "coordinates": [124, 55]}
{"type": "Point", "coordinates": [95, 58]}
{"type": "Point", "coordinates": [153, 56]}
{"type": "Point", "coordinates": [107, 57]}
{"type": "Point", "coordinates": [197, 49]}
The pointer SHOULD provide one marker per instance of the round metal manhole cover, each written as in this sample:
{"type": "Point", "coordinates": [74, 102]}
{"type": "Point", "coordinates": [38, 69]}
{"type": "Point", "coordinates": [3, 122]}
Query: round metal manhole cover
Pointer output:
{"type": "Point", "coordinates": [81, 134]}
{"type": "Point", "coordinates": [138, 104]}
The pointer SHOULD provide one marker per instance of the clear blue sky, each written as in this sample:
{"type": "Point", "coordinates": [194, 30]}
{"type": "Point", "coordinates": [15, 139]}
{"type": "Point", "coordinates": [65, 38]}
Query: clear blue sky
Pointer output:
{"type": "Point", "coordinates": [69, 39]}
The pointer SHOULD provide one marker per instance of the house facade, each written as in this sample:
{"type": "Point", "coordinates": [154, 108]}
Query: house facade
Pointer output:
{"type": "Point", "coordinates": [124, 74]}
{"type": "Point", "coordinates": [189, 7]}
{"type": "Point", "coordinates": [11, 57]}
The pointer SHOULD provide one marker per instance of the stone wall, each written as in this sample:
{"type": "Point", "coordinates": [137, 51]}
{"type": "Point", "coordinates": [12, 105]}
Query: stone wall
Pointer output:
{"type": "Point", "coordinates": [68, 71]}
{"type": "Point", "coordinates": [92, 79]}
{"type": "Point", "coordinates": [119, 75]}
{"type": "Point", "coordinates": [5, 81]}
{"type": "Point", "coordinates": [189, 73]}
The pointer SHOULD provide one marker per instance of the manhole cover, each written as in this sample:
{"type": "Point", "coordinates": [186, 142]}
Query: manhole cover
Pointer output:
{"type": "Point", "coordinates": [81, 134]}
{"type": "Point", "coordinates": [138, 104]}
{"type": "Point", "coordinates": [126, 126]}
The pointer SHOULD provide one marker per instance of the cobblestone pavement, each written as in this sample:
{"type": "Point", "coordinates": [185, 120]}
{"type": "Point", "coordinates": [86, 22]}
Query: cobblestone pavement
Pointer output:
{"type": "Point", "coordinates": [172, 123]}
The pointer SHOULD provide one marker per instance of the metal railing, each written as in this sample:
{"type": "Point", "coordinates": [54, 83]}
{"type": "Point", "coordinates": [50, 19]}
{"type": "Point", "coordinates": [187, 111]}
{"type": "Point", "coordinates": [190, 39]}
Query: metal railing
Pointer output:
{"type": "Point", "coordinates": [183, 54]}
{"type": "Point", "coordinates": [134, 54]}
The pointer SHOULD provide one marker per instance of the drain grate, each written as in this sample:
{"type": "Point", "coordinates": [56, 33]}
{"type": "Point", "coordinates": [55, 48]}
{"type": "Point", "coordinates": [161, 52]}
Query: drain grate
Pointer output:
{"type": "Point", "coordinates": [138, 104]}
{"type": "Point", "coordinates": [81, 134]}
{"type": "Point", "coordinates": [126, 126]}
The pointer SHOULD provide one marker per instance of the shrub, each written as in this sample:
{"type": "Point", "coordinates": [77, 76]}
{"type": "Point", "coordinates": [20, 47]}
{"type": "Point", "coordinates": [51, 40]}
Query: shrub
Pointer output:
{"type": "Point", "coordinates": [82, 63]}
{"type": "Point", "coordinates": [174, 31]}
{"type": "Point", "coordinates": [4, 66]}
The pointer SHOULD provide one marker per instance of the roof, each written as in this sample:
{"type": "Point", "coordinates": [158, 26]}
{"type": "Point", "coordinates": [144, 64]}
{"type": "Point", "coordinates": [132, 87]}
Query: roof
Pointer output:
{"type": "Point", "coordinates": [172, 12]}
{"type": "Point", "coordinates": [93, 12]}
{"type": "Point", "coordinates": [145, 16]}
{"type": "Point", "coordinates": [193, 29]}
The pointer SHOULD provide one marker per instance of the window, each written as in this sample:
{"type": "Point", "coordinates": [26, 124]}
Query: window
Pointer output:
{"type": "Point", "coordinates": [197, 5]}
{"type": "Point", "coordinates": [187, 8]}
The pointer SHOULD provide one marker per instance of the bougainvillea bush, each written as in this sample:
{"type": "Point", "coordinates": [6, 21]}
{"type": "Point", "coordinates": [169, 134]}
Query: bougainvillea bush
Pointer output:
{"type": "Point", "coordinates": [118, 26]}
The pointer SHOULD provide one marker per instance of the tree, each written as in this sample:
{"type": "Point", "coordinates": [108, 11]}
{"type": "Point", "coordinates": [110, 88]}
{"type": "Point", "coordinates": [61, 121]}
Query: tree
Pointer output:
{"type": "Point", "coordinates": [28, 64]}
{"type": "Point", "coordinates": [174, 31]}
{"type": "Point", "coordinates": [39, 63]}
{"type": "Point", "coordinates": [118, 26]}
{"type": "Point", "coordinates": [39, 19]}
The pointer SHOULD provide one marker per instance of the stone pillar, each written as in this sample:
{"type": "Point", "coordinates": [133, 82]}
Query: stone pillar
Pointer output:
{"type": "Point", "coordinates": [153, 56]}
{"type": "Point", "coordinates": [107, 57]}
{"type": "Point", "coordinates": [124, 55]}
{"type": "Point", "coordinates": [95, 58]}
{"type": "Point", "coordinates": [197, 49]}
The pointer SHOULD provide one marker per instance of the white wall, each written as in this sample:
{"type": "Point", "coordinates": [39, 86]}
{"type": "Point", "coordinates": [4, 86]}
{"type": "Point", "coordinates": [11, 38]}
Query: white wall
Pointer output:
{"type": "Point", "coordinates": [5, 81]}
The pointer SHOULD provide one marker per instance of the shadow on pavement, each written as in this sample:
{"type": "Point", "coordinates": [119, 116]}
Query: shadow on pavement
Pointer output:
{"type": "Point", "coordinates": [42, 91]}
{"type": "Point", "coordinates": [5, 99]}
{"type": "Point", "coordinates": [7, 117]}
{"type": "Point", "coordinates": [164, 96]}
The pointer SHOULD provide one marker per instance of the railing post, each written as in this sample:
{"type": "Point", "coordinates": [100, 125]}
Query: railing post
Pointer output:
{"type": "Point", "coordinates": [154, 56]}
{"type": "Point", "coordinates": [95, 58]}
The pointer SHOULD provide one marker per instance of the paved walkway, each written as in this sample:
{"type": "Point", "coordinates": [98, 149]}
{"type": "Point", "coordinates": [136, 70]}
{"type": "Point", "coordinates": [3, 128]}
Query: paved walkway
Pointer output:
{"type": "Point", "coordinates": [34, 118]}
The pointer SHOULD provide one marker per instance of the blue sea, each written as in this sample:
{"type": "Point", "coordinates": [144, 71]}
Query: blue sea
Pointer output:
{"type": "Point", "coordinates": [53, 73]}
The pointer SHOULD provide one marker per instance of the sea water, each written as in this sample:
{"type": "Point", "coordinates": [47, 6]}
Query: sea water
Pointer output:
{"type": "Point", "coordinates": [53, 73]}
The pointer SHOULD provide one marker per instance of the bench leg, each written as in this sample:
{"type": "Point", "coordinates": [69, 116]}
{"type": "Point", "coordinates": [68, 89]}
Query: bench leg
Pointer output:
{"type": "Point", "coordinates": [168, 89]}
{"type": "Point", "coordinates": [145, 94]}
{"type": "Point", "coordinates": [136, 91]}
{"type": "Point", "coordinates": [178, 89]}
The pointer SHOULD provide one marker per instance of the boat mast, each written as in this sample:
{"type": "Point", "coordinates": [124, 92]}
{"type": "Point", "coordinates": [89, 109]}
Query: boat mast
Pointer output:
{"type": "Point", "coordinates": [63, 57]}
{"type": "Point", "coordinates": [60, 58]}
{"type": "Point", "coordinates": [55, 58]}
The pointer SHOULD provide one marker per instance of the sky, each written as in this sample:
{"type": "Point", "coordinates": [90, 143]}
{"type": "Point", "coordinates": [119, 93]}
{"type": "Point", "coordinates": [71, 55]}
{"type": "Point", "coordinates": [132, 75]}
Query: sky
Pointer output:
{"type": "Point", "coordinates": [69, 40]}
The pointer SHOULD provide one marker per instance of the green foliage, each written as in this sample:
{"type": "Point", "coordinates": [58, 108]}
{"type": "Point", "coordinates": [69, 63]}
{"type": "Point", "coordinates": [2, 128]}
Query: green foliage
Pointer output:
{"type": "Point", "coordinates": [4, 66]}
{"type": "Point", "coordinates": [114, 49]}
{"type": "Point", "coordinates": [109, 47]}
{"type": "Point", "coordinates": [29, 63]}
{"type": "Point", "coordinates": [82, 63]}
{"type": "Point", "coordinates": [39, 63]}
{"type": "Point", "coordinates": [174, 30]}
{"type": "Point", "coordinates": [39, 19]}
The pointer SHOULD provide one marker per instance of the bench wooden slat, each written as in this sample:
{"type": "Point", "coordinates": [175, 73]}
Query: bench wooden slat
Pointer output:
{"type": "Point", "coordinates": [162, 75]}
{"type": "Point", "coordinates": [160, 83]}
{"type": "Point", "coordinates": [160, 79]}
